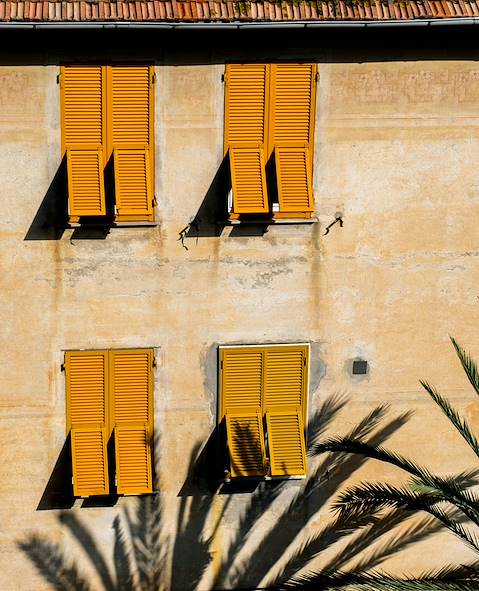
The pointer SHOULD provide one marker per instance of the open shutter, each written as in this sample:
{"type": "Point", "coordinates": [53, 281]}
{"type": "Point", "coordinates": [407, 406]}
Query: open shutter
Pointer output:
{"type": "Point", "coordinates": [287, 450]}
{"type": "Point", "coordinates": [86, 385]}
{"type": "Point", "coordinates": [86, 190]}
{"type": "Point", "coordinates": [132, 385]}
{"type": "Point", "coordinates": [291, 131]}
{"type": "Point", "coordinates": [130, 139]}
{"type": "Point", "coordinates": [285, 404]}
{"type": "Point", "coordinates": [246, 443]}
{"type": "Point", "coordinates": [245, 135]}
{"type": "Point", "coordinates": [133, 189]}
{"type": "Point", "coordinates": [248, 179]}
{"type": "Point", "coordinates": [294, 177]}
{"type": "Point", "coordinates": [241, 376]}
{"type": "Point", "coordinates": [83, 125]}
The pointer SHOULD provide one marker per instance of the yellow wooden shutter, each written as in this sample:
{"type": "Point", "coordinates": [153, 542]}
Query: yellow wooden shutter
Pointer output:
{"type": "Point", "coordinates": [133, 189]}
{"type": "Point", "coordinates": [285, 376]}
{"type": "Point", "coordinates": [246, 443]}
{"type": "Point", "coordinates": [132, 391]}
{"type": "Point", "coordinates": [285, 403]}
{"type": "Point", "coordinates": [287, 450]}
{"type": "Point", "coordinates": [130, 105]}
{"type": "Point", "coordinates": [241, 379]}
{"type": "Point", "coordinates": [245, 104]}
{"type": "Point", "coordinates": [86, 190]}
{"type": "Point", "coordinates": [291, 129]}
{"type": "Point", "coordinates": [86, 387]}
{"type": "Point", "coordinates": [83, 137]}
{"type": "Point", "coordinates": [294, 177]}
{"type": "Point", "coordinates": [130, 139]}
{"type": "Point", "coordinates": [245, 134]}
{"type": "Point", "coordinates": [241, 375]}
{"type": "Point", "coordinates": [248, 179]}
{"type": "Point", "coordinates": [82, 104]}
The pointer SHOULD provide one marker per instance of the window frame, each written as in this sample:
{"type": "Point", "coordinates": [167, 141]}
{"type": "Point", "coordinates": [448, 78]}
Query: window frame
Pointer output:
{"type": "Point", "coordinates": [221, 408]}
{"type": "Point", "coordinates": [110, 421]}
{"type": "Point", "coordinates": [269, 145]}
{"type": "Point", "coordinates": [106, 126]}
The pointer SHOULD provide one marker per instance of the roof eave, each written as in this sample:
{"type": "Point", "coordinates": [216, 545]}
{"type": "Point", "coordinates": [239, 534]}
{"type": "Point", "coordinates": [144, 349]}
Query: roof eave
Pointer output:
{"type": "Point", "coordinates": [240, 25]}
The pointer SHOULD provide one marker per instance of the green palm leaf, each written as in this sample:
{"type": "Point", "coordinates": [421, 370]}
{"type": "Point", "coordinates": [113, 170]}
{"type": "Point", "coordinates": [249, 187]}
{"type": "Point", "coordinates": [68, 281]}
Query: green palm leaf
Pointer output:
{"type": "Point", "coordinates": [468, 364]}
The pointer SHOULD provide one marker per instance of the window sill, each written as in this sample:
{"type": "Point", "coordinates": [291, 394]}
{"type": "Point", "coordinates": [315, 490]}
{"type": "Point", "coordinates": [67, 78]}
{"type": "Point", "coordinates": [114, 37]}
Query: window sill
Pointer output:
{"type": "Point", "coordinates": [271, 222]}
{"type": "Point", "coordinates": [238, 479]}
{"type": "Point", "coordinates": [114, 225]}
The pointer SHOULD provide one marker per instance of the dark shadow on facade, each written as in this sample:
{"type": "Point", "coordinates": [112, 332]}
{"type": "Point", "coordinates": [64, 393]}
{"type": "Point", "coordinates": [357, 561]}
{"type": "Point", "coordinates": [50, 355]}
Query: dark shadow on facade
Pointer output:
{"type": "Point", "coordinates": [209, 219]}
{"type": "Point", "coordinates": [194, 550]}
{"type": "Point", "coordinates": [50, 221]}
{"type": "Point", "coordinates": [58, 493]}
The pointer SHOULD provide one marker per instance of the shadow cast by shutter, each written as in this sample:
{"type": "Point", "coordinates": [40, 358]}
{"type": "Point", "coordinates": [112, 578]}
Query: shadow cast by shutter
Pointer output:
{"type": "Point", "coordinates": [209, 219]}
{"type": "Point", "coordinates": [58, 493]}
{"type": "Point", "coordinates": [50, 221]}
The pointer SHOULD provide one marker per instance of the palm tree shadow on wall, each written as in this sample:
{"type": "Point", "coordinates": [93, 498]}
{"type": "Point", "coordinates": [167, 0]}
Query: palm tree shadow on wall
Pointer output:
{"type": "Point", "coordinates": [142, 544]}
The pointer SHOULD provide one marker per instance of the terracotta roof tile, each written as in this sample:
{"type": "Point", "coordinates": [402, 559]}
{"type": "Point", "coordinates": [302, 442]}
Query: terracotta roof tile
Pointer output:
{"type": "Point", "coordinates": [233, 10]}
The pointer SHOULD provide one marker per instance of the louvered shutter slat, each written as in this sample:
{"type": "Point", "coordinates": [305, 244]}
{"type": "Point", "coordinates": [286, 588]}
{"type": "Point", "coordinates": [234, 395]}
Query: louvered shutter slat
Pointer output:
{"type": "Point", "coordinates": [89, 459]}
{"type": "Point", "coordinates": [246, 87]}
{"type": "Point", "coordinates": [292, 94]}
{"type": "Point", "coordinates": [86, 386]}
{"type": "Point", "coordinates": [86, 190]}
{"type": "Point", "coordinates": [82, 105]}
{"type": "Point", "coordinates": [285, 377]}
{"type": "Point", "coordinates": [133, 189]}
{"type": "Point", "coordinates": [130, 105]}
{"type": "Point", "coordinates": [248, 179]}
{"type": "Point", "coordinates": [246, 443]}
{"type": "Point", "coordinates": [286, 443]}
{"type": "Point", "coordinates": [241, 379]}
{"type": "Point", "coordinates": [131, 381]}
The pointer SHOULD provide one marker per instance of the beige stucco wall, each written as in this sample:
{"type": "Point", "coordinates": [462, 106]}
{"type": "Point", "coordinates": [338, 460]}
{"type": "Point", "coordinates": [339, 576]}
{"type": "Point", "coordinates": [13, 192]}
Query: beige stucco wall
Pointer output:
{"type": "Point", "coordinates": [397, 146]}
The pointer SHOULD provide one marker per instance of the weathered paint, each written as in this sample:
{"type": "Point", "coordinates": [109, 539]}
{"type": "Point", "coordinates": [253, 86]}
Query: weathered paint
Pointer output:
{"type": "Point", "coordinates": [397, 146]}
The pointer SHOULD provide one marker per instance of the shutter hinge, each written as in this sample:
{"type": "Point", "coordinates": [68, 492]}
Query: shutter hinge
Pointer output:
{"type": "Point", "coordinates": [154, 202]}
{"type": "Point", "coordinates": [304, 361]}
{"type": "Point", "coordinates": [221, 364]}
{"type": "Point", "coordinates": [58, 78]}
{"type": "Point", "coordinates": [317, 76]}
{"type": "Point", "coordinates": [153, 78]}
{"type": "Point", "coordinates": [154, 362]}
{"type": "Point", "coordinates": [222, 77]}
{"type": "Point", "coordinates": [62, 367]}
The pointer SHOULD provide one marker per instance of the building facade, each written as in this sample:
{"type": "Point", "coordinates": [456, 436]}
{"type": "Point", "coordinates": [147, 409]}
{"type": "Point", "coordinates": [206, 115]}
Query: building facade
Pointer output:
{"type": "Point", "coordinates": [212, 239]}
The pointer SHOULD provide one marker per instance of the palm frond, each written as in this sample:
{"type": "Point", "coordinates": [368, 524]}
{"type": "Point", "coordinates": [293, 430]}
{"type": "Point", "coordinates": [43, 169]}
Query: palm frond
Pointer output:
{"type": "Point", "coordinates": [377, 452]}
{"type": "Point", "coordinates": [448, 578]}
{"type": "Point", "coordinates": [468, 364]}
{"type": "Point", "coordinates": [451, 413]}
{"type": "Point", "coordinates": [371, 498]}
{"type": "Point", "coordinates": [382, 539]}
